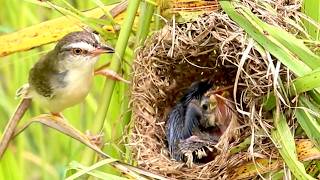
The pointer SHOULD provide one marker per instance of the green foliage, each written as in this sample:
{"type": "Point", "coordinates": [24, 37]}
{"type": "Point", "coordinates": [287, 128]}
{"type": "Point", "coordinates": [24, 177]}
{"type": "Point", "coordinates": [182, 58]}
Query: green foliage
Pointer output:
{"type": "Point", "coordinates": [286, 146]}
{"type": "Point", "coordinates": [311, 9]}
{"type": "Point", "coordinates": [308, 118]}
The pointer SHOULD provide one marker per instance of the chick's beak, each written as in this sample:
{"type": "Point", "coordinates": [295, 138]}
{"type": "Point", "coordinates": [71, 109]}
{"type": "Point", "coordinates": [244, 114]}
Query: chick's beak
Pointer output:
{"type": "Point", "coordinates": [102, 49]}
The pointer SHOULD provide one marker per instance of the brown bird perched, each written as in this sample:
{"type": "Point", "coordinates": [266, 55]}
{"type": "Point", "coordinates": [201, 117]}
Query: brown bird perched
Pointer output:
{"type": "Point", "coordinates": [197, 121]}
{"type": "Point", "coordinates": [62, 78]}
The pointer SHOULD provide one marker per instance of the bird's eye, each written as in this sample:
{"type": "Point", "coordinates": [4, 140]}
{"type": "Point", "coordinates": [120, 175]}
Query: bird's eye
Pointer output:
{"type": "Point", "coordinates": [77, 51]}
{"type": "Point", "coordinates": [205, 106]}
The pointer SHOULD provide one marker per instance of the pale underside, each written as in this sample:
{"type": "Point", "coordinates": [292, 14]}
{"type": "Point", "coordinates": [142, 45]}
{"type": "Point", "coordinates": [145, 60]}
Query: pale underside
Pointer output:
{"type": "Point", "coordinates": [78, 83]}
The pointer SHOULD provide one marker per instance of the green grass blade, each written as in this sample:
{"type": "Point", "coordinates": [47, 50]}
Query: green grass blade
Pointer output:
{"type": "Point", "coordinates": [86, 170]}
{"type": "Point", "coordinates": [308, 122]}
{"type": "Point", "coordinates": [147, 10]}
{"type": "Point", "coordinates": [284, 139]}
{"type": "Point", "coordinates": [306, 82]}
{"type": "Point", "coordinates": [312, 9]}
{"type": "Point", "coordinates": [268, 42]}
{"type": "Point", "coordinates": [116, 63]}
{"type": "Point", "coordinates": [294, 45]}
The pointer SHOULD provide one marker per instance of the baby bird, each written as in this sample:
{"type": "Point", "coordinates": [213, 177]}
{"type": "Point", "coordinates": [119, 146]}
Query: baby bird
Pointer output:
{"type": "Point", "coordinates": [198, 120]}
{"type": "Point", "coordinates": [185, 117]}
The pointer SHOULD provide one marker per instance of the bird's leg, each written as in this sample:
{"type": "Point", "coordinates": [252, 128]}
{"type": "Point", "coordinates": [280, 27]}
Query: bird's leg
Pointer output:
{"type": "Point", "coordinates": [109, 73]}
{"type": "Point", "coordinates": [58, 114]}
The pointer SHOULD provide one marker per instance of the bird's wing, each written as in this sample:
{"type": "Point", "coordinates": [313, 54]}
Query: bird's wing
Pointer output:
{"type": "Point", "coordinates": [193, 115]}
{"type": "Point", "coordinates": [174, 130]}
{"type": "Point", "coordinates": [40, 76]}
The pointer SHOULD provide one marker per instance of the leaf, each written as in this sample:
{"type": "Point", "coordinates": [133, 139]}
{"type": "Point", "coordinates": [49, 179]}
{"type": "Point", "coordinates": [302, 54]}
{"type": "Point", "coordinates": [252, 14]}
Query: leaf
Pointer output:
{"type": "Point", "coordinates": [46, 32]}
{"type": "Point", "coordinates": [306, 82]}
{"type": "Point", "coordinates": [286, 147]}
{"type": "Point", "coordinates": [252, 169]}
{"type": "Point", "coordinates": [308, 122]}
{"type": "Point", "coordinates": [312, 9]}
{"type": "Point", "coordinates": [289, 41]}
{"type": "Point", "coordinates": [89, 170]}
{"type": "Point", "coordinates": [63, 126]}
{"type": "Point", "coordinates": [306, 151]}
{"type": "Point", "coordinates": [270, 43]}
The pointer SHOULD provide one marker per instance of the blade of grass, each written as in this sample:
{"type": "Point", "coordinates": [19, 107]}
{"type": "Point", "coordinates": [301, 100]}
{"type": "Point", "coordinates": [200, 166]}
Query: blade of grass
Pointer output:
{"type": "Point", "coordinates": [308, 122]}
{"type": "Point", "coordinates": [306, 152]}
{"type": "Point", "coordinates": [115, 65]}
{"type": "Point", "coordinates": [312, 9]}
{"type": "Point", "coordinates": [86, 170]}
{"type": "Point", "coordinates": [286, 146]}
{"type": "Point", "coordinates": [306, 82]}
{"type": "Point", "coordinates": [147, 10]}
{"type": "Point", "coordinates": [46, 32]}
{"type": "Point", "coordinates": [290, 42]}
{"type": "Point", "coordinates": [95, 173]}
{"type": "Point", "coordinates": [268, 42]}
{"type": "Point", "coordinates": [299, 85]}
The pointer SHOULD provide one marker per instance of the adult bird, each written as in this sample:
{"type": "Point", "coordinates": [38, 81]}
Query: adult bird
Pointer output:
{"type": "Point", "coordinates": [62, 78]}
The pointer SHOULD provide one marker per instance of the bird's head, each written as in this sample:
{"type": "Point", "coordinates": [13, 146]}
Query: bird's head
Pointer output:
{"type": "Point", "coordinates": [80, 48]}
{"type": "Point", "coordinates": [209, 105]}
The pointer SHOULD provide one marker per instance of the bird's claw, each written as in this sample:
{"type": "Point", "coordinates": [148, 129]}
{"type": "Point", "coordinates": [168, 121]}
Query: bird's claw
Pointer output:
{"type": "Point", "coordinates": [95, 139]}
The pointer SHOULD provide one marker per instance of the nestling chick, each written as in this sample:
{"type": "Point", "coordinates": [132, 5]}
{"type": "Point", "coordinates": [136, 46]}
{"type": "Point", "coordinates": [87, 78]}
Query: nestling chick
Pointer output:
{"type": "Point", "coordinates": [185, 117]}
{"type": "Point", "coordinates": [197, 121]}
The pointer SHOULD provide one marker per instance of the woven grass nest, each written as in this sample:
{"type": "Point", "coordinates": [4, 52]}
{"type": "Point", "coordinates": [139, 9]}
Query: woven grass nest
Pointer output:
{"type": "Point", "coordinates": [210, 47]}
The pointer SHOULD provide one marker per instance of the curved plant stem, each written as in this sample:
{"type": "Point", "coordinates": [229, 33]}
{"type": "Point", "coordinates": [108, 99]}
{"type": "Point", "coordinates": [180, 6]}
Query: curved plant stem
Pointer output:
{"type": "Point", "coordinates": [115, 65]}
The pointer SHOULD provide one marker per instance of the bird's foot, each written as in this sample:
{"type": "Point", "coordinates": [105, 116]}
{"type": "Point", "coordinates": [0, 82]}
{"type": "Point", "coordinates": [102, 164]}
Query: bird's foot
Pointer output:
{"type": "Point", "coordinates": [58, 114]}
{"type": "Point", "coordinates": [110, 74]}
{"type": "Point", "coordinates": [95, 139]}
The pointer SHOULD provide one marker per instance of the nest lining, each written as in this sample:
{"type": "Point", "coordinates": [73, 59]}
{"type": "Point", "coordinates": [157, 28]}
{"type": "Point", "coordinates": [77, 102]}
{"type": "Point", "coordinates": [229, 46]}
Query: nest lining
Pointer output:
{"type": "Point", "coordinates": [210, 47]}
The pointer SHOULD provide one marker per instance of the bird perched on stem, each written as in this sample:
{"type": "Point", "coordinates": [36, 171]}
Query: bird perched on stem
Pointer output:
{"type": "Point", "coordinates": [61, 78]}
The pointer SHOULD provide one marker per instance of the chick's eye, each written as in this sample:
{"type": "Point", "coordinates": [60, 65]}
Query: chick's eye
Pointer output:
{"type": "Point", "coordinates": [205, 106]}
{"type": "Point", "coordinates": [77, 51]}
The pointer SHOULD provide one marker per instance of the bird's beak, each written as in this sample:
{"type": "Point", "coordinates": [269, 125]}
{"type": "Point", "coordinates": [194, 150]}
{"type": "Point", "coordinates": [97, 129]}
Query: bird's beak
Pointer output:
{"type": "Point", "coordinates": [102, 49]}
